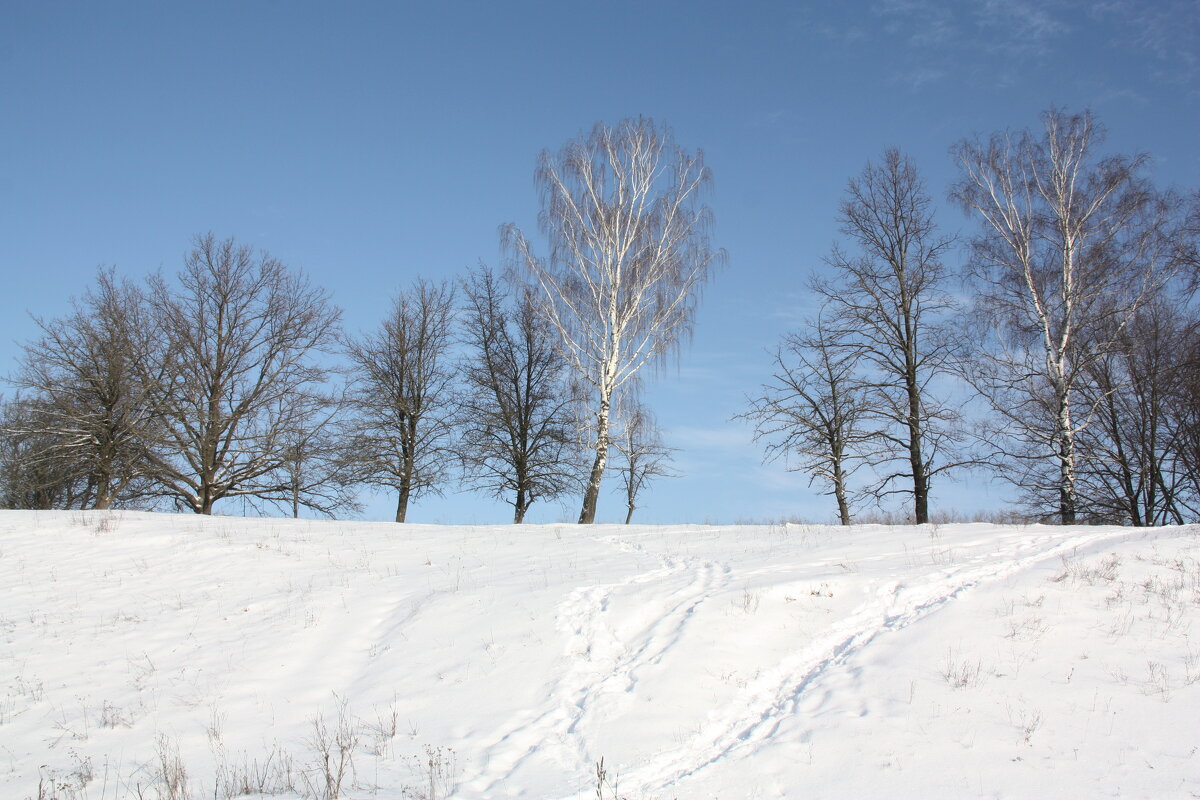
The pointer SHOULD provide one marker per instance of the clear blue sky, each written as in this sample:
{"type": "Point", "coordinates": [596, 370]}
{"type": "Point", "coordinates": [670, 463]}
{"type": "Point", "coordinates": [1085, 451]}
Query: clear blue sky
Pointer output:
{"type": "Point", "coordinates": [371, 142]}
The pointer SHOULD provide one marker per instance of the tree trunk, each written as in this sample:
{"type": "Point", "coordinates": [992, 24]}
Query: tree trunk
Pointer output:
{"type": "Point", "coordinates": [839, 492]}
{"type": "Point", "coordinates": [920, 494]}
{"type": "Point", "coordinates": [103, 478]}
{"type": "Point", "coordinates": [588, 514]}
{"type": "Point", "coordinates": [915, 458]}
{"type": "Point", "coordinates": [1066, 504]}
{"type": "Point", "coordinates": [402, 504]}
{"type": "Point", "coordinates": [1066, 487]}
{"type": "Point", "coordinates": [520, 507]}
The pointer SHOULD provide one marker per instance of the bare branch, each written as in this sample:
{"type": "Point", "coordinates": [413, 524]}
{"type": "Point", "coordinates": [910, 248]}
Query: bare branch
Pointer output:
{"type": "Point", "coordinates": [241, 378]}
{"type": "Point", "coordinates": [1071, 248]}
{"type": "Point", "coordinates": [514, 415]}
{"type": "Point", "coordinates": [628, 254]}
{"type": "Point", "coordinates": [401, 431]}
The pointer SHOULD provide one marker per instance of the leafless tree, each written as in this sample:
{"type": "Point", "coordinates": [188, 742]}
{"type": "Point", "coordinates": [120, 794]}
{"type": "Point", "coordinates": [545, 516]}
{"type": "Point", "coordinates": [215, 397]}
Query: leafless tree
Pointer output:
{"type": "Point", "coordinates": [1185, 418]}
{"type": "Point", "coordinates": [642, 456]}
{"type": "Point", "coordinates": [401, 396]}
{"type": "Point", "coordinates": [36, 471]}
{"type": "Point", "coordinates": [1130, 466]}
{"type": "Point", "coordinates": [813, 414]}
{"type": "Point", "coordinates": [314, 466]}
{"type": "Point", "coordinates": [1188, 242]}
{"type": "Point", "coordinates": [889, 301]}
{"type": "Point", "coordinates": [516, 436]}
{"type": "Point", "coordinates": [1185, 404]}
{"type": "Point", "coordinates": [628, 253]}
{"type": "Point", "coordinates": [1069, 250]}
{"type": "Point", "coordinates": [244, 332]}
{"type": "Point", "coordinates": [88, 402]}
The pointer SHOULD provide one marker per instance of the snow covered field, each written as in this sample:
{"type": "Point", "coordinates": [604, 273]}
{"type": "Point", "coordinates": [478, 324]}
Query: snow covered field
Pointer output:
{"type": "Point", "coordinates": [158, 655]}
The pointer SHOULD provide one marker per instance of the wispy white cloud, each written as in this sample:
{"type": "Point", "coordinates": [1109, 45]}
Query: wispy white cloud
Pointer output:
{"type": "Point", "coordinates": [940, 37]}
{"type": "Point", "coordinates": [918, 77]}
{"type": "Point", "coordinates": [1169, 31]}
{"type": "Point", "coordinates": [774, 118]}
{"type": "Point", "coordinates": [918, 22]}
{"type": "Point", "coordinates": [1120, 96]}
{"type": "Point", "coordinates": [1021, 26]}
{"type": "Point", "coordinates": [842, 35]}
{"type": "Point", "coordinates": [725, 438]}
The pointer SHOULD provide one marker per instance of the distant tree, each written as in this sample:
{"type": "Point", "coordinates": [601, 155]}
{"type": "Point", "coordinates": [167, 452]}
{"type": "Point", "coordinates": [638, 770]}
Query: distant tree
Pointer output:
{"type": "Point", "coordinates": [244, 330]}
{"type": "Point", "coordinates": [629, 252]}
{"type": "Point", "coordinates": [517, 440]}
{"type": "Point", "coordinates": [1188, 241]}
{"type": "Point", "coordinates": [642, 456]}
{"type": "Point", "coordinates": [314, 466]}
{"type": "Point", "coordinates": [1185, 403]}
{"type": "Point", "coordinates": [92, 384]}
{"type": "Point", "coordinates": [401, 432]}
{"type": "Point", "coordinates": [888, 299]}
{"type": "Point", "coordinates": [1185, 418]}
{"type": "Point", "coordinates": [1070, 249]}
{"type": "Point", "coordinates": [813, 414]}
{"type": "Point", "coordinates": [1131, 470]}
{"type": "Point", "coordinates": [36, 470]}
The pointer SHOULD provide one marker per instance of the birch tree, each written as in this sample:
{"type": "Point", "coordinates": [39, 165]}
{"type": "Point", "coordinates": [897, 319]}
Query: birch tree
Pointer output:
{"type": "Point", "coordinates": [629, 249]}
{"type": "Point", "coordinates": [1065, 259]}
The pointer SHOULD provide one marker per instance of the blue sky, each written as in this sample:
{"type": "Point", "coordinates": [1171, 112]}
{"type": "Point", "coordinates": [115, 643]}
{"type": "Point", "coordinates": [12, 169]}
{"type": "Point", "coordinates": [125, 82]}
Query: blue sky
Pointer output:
{"type": "Point", "coordinates": [368, 143]}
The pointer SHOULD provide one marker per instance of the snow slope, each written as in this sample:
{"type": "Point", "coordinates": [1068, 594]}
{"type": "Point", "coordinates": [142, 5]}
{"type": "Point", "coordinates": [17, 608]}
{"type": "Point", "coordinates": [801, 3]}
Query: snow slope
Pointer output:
{"type": "Point", "coordinates": [174, 656]}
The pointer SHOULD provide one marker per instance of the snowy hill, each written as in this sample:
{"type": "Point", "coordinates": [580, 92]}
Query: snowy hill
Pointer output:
{"type": "Point", "coordinates": [175, 656]}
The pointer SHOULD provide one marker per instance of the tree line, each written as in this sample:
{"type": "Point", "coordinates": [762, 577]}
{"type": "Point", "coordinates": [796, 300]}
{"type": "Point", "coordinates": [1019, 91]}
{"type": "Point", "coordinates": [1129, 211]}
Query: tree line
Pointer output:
{"type": "Point", "coordinates": [1071, 328]}
{"type": "Point", "coordinates": [1061, 356]}
{"type": "Point", "coordinates": [236, 380]}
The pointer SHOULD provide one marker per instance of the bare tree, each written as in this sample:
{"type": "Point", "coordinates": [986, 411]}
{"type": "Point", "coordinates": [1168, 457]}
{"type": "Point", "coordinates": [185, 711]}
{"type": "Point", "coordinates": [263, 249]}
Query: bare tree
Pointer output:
{"type": "Point", "coordinates": [314, 466]}
{"type": "Point", "coordinates": [629, 250]}
{"type": "Point", "coordinates": [1066, 257]}
{"type": "Point", "coordinates": [514, 416]}
{"type": "Point", "coordinates": [1130, 466]}
{"type": "Point", "coordinates": [1185, 402]}
{"type": "Point", "coordinates": [401, 395]}
{"type": "Point", "coordinates": [88, 402]}
{"type": "Point", "coordinates": [36, 470]}
{"type": "Point", "coordinates": [889, 301]}
{"type": "Point", "coordinates": [1185, 418]}
{"type": "Point", "coordinates": [642, 456]}
{"type": "Point", "coordinates": [244, 331]}
{"type": "Point", "coordinates": [1187, 240]}
{"type": "Point", "coordinates": [813, 414]}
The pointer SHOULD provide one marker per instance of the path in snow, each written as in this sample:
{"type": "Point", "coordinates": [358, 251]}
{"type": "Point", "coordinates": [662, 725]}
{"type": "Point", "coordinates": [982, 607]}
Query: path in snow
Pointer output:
{"type": "Point", "coordinates": [607, 653]}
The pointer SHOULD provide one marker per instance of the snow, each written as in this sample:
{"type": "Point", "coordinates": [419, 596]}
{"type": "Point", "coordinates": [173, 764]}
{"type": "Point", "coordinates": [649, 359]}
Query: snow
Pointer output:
{"type": "Point", "coordinates": [505, 661]}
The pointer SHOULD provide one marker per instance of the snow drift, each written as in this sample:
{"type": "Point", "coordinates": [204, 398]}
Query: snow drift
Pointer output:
{"type": "Point", "coordinates": [176, 656]}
